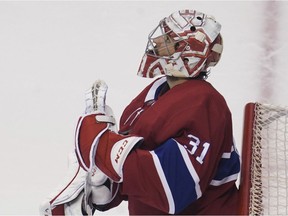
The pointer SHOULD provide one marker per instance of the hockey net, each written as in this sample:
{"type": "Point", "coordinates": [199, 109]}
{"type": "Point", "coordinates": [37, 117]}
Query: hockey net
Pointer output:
{"type": "Point", "coordinates": [264, 173]}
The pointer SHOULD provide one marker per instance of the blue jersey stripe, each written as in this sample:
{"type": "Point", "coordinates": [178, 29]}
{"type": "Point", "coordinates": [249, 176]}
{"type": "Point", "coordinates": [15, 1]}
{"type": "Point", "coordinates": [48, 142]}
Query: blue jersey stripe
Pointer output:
{"type": "Point", "coordinates": [228, 166]}
{"type": "Point", "coordinates": [178, 177]}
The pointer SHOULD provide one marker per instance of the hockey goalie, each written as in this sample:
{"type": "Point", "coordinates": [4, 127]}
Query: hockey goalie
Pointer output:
{"type": "Point", "coordinates": [174, 151]}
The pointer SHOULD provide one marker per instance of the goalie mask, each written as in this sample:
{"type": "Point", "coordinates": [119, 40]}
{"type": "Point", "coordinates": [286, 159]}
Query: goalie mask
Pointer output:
{"type": "Point", "coordinates": [182, 45]}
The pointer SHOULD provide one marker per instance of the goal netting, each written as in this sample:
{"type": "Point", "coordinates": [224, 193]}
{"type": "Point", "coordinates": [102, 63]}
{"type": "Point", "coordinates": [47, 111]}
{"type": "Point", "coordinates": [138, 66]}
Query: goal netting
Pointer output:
{"type": "Point", "coordinates": [264, 172]}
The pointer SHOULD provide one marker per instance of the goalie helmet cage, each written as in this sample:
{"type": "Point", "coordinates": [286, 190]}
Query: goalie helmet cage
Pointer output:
{"type": "Point", "coordinates": [264, 172]}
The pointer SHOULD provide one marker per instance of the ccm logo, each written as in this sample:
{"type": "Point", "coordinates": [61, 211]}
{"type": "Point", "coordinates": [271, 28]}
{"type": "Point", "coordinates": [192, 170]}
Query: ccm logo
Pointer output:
{"type": "Point", "coordinates": [120, 150]}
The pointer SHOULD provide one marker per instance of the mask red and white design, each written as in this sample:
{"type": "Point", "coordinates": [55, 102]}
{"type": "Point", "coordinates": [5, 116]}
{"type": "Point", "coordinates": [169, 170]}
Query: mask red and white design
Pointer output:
{"type": "Point", "coordinates": [182, 45]}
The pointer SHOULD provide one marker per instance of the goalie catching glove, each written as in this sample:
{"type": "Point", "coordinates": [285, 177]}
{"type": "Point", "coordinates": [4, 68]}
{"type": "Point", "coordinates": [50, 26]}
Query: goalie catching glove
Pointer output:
{"type": "Point", "coordinates": [96, 143]}
{"type": "Point", "coordinates": [97, 166]}
{"type": "Point", "coordinates": [100, 150]}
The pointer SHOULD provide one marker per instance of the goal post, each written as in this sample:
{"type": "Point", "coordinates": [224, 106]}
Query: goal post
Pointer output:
{"type": "Point", "coordinates": [264, 170]}
{"type": "Point", "coordinates": [245, 180]}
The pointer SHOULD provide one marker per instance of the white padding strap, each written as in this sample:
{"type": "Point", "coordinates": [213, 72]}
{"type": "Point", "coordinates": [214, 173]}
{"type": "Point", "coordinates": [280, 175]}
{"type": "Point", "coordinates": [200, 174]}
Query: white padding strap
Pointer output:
{"type": "Point", "coordinates": [104, 118]}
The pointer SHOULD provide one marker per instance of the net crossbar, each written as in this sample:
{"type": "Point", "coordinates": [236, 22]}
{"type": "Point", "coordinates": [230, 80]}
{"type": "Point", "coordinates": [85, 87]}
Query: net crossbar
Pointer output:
{"type": "Point", "coordinates": [268, 186]}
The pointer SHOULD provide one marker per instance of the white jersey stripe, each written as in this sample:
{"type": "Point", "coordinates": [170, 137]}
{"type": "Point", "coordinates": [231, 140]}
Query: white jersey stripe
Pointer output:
{"type": "Point", "coordinates": [225, 180]}
{"type": "Point", "coordinates": [227, 155]}
{"type": "Point", "coordinates": [164, 182]}
{"type": "Point", "coordinates": [151, 93]}
{"type": "Point", "coordinates": [191, 169]}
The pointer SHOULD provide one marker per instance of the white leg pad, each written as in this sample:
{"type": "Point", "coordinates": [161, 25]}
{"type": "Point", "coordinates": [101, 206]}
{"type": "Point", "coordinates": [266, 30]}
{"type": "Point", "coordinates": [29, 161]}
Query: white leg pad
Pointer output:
{"type": "Point", "coordinates": [69, 190]}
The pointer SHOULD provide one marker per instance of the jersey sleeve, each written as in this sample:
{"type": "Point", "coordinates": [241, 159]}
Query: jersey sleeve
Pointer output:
{"type": "Point", "coordinates": [169, 177]}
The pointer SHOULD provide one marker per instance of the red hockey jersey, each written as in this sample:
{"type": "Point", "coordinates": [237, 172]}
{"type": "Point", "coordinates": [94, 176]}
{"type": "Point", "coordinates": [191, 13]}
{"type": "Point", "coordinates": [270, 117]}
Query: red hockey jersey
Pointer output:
{"type": "Point", "coordinates": [188, 163]}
